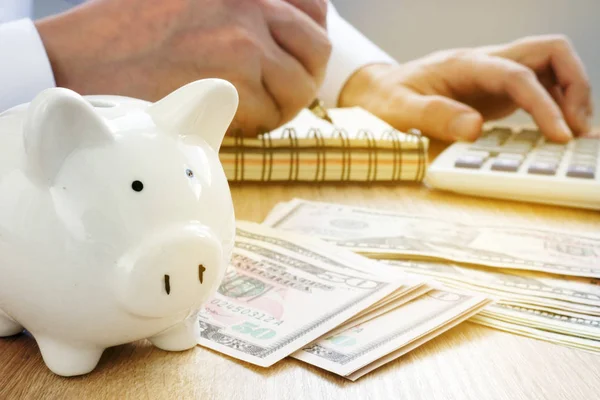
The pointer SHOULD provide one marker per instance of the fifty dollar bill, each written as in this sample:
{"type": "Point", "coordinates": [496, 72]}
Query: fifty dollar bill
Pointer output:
{"type": "Point", "coordinates": [282, 291]}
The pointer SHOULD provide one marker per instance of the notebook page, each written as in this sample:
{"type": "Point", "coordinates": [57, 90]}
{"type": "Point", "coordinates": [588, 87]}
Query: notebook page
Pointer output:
{"type": "Point", "coordinates": [354, 119]}
{"type": "Point", "coordinates": [302, 124]}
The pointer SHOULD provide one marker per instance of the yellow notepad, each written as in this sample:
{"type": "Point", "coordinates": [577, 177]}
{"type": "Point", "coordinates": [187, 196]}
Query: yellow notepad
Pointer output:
{"type": "Point", "coordinates": [357, 147]}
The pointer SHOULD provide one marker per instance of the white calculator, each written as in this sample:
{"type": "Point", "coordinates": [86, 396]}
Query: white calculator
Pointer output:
{"type": "Point", "coordinates": [521, 165]}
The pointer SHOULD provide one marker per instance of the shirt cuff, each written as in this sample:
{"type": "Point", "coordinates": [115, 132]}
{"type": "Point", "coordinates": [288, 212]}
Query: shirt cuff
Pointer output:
{"type": "Point", "coordinates": [351, 50]}
{"type": "Point", "coordinates": [25, 69]}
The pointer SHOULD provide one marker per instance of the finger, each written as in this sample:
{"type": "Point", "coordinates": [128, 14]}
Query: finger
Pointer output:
{"type": "Point", "coordinates": [548, 81]}
{"type": "Point", "coordinates": [288, 82]}
{"type": "Point", "coordinates": [316, 9]}
{"type": "Point", "coordinates": [257, 112]}
{"type": "Point", "coordinates": [436, 116]}
{"type": "Point", "coordinates": [557, 53]}
{"type": "Point", "coordinates": [300, 36]}
{"type": "Point", "coordinates": [501, 76]}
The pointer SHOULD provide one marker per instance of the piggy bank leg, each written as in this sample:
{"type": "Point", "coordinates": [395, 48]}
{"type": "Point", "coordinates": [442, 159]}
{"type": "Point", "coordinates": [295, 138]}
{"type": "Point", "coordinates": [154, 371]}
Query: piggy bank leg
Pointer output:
{"type": "Point", "coordinates": [66, 359]}
{"type": "Point", "coordinates": [182, 336]}
{"type": "Point", "coordinates": [8, 327]}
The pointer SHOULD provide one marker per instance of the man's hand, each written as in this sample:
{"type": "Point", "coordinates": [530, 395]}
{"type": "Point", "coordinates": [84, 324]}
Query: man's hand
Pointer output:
{"type": "Point", "coordinates": [274, 51]}
{"type": "Point", "coordinates": [449, 94]}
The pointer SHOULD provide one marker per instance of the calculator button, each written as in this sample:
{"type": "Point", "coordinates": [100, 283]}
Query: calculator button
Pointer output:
{"type": "Point", "coordinates": [473, 161]}
{"type": "Point", "coordinates": [552, 150]}
{"type": "Point", "coordinates": [487, 141]}
{"type": "Point", "coordinates": [483, 154]}
{"type": "Point", "coordinates": [527, 135]}
{"type": "Point", "coordinates": [545, 161]}
{"type": "Point", "coordinates": [581, 171]}
{"type": "Point", "coordinates": [494, 150]}
{"type": "Point", "coordinates": [519, 147]}
{"type": "Point", "coordinates": [548, 153]}
{"type": "Point", "coordinates": [547, 157]}
{"type": "Point", "coordinates": [490, 148]}
{"type": "Point", "coordinates": [500, 133]}
{"type": "Point", "coordinates": [511, 156]}
{"type": "Point", "coordinates": [506, 164]}
{"type": "Point", "coordinates": [485, 144]}
{"type": "Point", "coordinates": [587, 140]}
{"type": "Point", "coordinates": [553, 147]}
{"type": "Point", "coordinates": [502, 130]}
{"type": "Point", "coordinates": [583, 159]}
{"type": "Point", "coordinates": [492, 138]}
{"type": "Point", "coordinates": [585, 150]}
{"type": "Point", "coordinates": [543, 168]}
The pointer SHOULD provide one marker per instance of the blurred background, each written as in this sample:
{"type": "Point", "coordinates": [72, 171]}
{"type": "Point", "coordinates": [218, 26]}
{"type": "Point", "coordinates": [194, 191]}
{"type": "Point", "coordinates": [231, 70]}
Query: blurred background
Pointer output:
{"type": "Point", "coordinates": [408, 29]}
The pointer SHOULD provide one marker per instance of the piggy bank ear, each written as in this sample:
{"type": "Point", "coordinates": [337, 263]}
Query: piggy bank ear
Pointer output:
{"type": "Point", "coordinates": [59, 121]}
{"type": "Point", "coordinates": [204, 108]}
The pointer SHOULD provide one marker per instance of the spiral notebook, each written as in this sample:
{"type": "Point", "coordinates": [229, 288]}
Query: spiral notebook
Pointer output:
{"type": "Point", "coordinates": [355, 146]}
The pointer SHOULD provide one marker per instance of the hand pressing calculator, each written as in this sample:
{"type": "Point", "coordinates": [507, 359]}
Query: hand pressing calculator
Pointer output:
{"type": "Point", "coordinates": [521, 165]}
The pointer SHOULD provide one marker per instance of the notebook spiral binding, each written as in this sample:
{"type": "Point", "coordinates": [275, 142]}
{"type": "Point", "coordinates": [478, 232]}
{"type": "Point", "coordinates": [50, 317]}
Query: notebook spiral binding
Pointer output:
{"type": "Point", "coordinates": [314, 157]}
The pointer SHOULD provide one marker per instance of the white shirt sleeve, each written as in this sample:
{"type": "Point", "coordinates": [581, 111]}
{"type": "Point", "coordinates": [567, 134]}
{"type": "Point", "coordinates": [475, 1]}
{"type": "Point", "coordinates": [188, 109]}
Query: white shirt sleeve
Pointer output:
{"type": "Point", "coordinates": [24, 66]}
{"type": "Point", "coordinates": [351, 50]}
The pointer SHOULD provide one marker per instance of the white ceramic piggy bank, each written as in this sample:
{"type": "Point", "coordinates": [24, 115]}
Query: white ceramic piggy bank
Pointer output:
{"type": "Point", "coordinates": [116, 220]}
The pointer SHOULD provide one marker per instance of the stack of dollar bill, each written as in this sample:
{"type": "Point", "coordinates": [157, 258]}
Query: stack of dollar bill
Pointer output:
{"type": "Point", "coordinates": [291, 295]}
{"type": "Point", "coordinates": [545, 283]}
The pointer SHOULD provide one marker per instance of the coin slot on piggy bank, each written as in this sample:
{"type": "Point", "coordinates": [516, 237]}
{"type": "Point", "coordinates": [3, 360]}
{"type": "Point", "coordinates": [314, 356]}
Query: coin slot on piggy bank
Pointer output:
{"type": "Point", "coordinates": [116, 219]}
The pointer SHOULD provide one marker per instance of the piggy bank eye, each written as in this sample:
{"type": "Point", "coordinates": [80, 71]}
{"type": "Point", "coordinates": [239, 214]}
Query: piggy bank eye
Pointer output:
{"type": "Point", "coordinates": [189, 173]}
{"type": "Point", "coordinates": [137, 186]}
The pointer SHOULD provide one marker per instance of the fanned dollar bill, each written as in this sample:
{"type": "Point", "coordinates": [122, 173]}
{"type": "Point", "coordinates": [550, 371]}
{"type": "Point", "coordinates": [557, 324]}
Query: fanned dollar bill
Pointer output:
{"type": "Point", "coordinates": [518, 298]}
{"type": "Point", "coordinates": [575, 290]}
{"type": "Point", "coordinates": [563, 305]}
{"type": "Point", "coordinates": [561, 293]}
{"type": "Point", "coordinates": [542, 307]}
{"type": "Point", "coordinates": [385, 234]}
{"type": "Point", "coordinates": [580, 326]}
{"type": "Point", "coordinates": [536, 333]}
{"type": "Point", "coordinates": [546, 303]}
{"type": "Point", "coordinates": [375, 312]}
{"type": "Point", "coordinates": [283, 291]}
{"type": "Point", "coordinates": [350, 352]}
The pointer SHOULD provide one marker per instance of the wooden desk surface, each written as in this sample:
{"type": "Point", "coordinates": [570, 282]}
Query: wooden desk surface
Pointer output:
{"type": "Point", "coordinates": [468, 362]}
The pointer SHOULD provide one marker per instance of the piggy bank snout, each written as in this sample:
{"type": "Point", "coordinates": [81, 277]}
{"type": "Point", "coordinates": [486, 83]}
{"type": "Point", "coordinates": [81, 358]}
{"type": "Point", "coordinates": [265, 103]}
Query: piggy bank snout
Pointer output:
{"type": "Point", "coordinates": [173, 272]}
